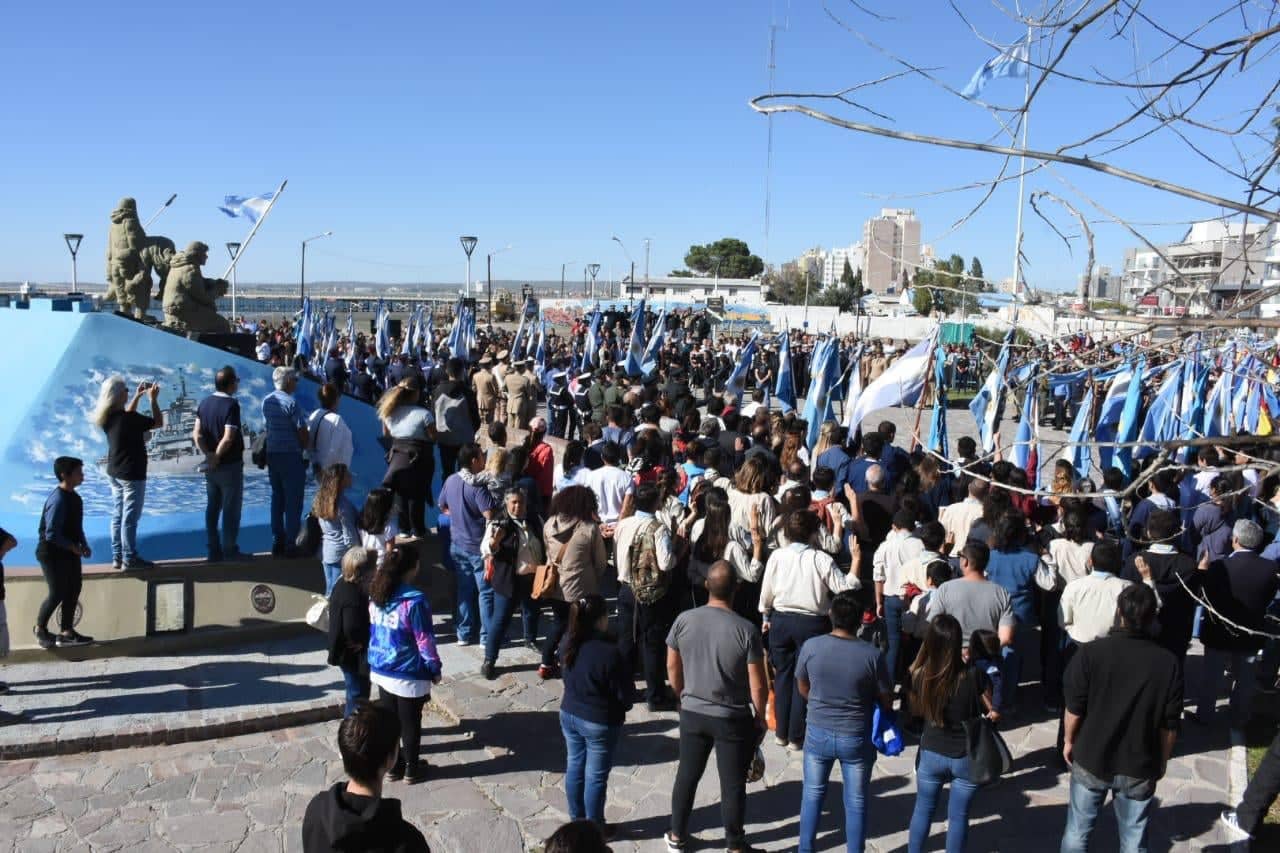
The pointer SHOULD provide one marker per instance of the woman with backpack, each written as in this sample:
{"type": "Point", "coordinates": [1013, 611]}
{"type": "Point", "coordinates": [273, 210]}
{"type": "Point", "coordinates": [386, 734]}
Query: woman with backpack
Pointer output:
{"type": "Point", "coordinates": [597, 691]}
{"type": "Point", "coordinates": [576, 548]}
{"type": "Point", "coordinates": [946, 693]}
{"type": "Point", "coordinates": [411, 459]}
{"type": "Point", "coordinates": [513, 548]}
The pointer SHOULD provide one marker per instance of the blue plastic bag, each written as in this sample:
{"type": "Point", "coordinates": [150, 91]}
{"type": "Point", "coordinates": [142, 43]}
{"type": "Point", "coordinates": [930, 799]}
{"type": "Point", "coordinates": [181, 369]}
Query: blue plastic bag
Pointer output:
{"type": "Point", "coordinates": [886, 737]}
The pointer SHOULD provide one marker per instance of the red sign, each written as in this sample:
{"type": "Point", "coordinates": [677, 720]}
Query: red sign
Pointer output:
{"type": "Point", "coordinates": [1151, 299]}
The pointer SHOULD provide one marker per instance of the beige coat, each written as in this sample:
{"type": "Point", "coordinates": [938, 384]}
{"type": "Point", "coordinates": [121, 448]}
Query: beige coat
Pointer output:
{"type": "Point", "coordinates": [585, 559]}
{"type": "Point", "coordinates": [486, 389]}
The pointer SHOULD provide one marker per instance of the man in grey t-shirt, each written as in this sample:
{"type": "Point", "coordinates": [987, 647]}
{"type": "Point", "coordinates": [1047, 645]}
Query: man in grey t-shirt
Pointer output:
{"type": "Point", "coordinates": [974, 601]}
{"type": "Point", "coordinates": [715, 664]}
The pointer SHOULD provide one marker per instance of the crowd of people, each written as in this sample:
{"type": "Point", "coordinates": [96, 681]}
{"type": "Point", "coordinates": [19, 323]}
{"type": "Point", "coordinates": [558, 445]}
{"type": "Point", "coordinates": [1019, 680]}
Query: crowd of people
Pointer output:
{"type": "Point", "coordinates": [688, 538]}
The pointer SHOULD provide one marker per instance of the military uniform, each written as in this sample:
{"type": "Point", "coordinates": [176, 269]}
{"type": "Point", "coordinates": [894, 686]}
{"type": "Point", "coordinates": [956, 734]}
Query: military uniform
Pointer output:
{"type": "Point", "coordinates": [595, 397]}
{"type": "Point", "coordinates": [560, 407]}
{"type": "Point", "coordinates": [486, 385]}
{"type": "Point", "coordinates": [520, 393]}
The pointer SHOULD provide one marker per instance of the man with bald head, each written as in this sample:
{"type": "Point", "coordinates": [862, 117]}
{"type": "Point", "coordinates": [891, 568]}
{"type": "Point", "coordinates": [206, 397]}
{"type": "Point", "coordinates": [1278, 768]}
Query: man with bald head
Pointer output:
{"type": "Point", "coordinates": [715, 663]}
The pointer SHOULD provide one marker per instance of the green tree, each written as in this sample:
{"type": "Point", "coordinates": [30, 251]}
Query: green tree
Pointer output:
{"type": "Point", "coordinates": [858, 290]}
{"type": "Point", "coordinates": [681, 274]}
{"type": "Point", "coordinates": [975, 272]}
{"type": "Point", "coordinates": [786, 288]}
{"type": "Point", "coordinates": [846, 277]}
{"type": "Point", "coordinates": [922, 299]}
{"type": "Point", "coordinates": [736, 260]}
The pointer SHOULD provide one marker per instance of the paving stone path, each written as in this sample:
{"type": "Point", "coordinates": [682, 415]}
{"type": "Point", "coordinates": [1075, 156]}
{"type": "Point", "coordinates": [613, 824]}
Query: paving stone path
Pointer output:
{"type": "Point", "coordinates": [496, 785]}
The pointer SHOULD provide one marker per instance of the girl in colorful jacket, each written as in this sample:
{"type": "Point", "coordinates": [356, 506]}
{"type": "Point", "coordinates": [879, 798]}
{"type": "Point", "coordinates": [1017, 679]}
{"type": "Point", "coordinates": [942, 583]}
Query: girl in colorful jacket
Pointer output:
{"type": "Point", "coordinates": [403, 660]}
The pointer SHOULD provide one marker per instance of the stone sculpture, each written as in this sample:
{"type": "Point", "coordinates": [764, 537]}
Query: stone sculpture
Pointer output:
{"type": "Point", "coordinates": [190, 299]}
{"type": "Point", "coordinates": [131, 257]}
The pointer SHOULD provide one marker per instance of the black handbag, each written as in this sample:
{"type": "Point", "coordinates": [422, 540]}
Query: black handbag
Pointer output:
{"type": "Point", "coordinates": [258, 450]}
{"type": "Point", "coordinates": [310, 536]}
{"type": "Point", "coordinates": [989, 756]}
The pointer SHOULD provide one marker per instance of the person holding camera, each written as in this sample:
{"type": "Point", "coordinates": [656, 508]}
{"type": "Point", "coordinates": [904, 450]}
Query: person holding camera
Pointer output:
{"type": "Point", "coordinates": [126, 430]}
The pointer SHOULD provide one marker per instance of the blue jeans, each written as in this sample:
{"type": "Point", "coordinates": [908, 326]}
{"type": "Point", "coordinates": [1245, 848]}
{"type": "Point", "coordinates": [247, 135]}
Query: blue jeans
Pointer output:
{"type": "Point", "coordinates": [224, 487]}
{"type": "Point", "coordinates": [1244, 685]}
{"type": "Point", "coordinates": [126, 509]}
{"type": "Point", "coordinates": [332, 571]}
{"type": "Point", "coordinates": [500, 613]}
{"type": "Point", "coordinates": [893, 608]}
{"type": "Point", "coordinates": [822, 748]}
{"type": "Point", "coordinates": [288, 475]}
{"type": "Point", "coordinates": [1132, 800]}
{"type": "Point", "coordinates": [1025, 647]}
{"type": "Point", "coordinates": [590, 749]}
{"type": "Point", "coordinates": [357, 689]}
{"type": "Point", "coordinates": [933, 771]}
{"type": "Point", "coordinates": [475, 596]}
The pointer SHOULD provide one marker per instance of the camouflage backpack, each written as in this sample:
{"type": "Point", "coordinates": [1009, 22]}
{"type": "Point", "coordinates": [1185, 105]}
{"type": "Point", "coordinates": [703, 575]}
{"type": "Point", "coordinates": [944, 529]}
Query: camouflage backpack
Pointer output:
{"type": "Point", "coordinates": [648, 583]}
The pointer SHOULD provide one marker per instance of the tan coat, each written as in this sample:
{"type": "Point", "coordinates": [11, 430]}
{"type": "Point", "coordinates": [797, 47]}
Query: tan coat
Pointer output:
{"type": "Point", "coordinates": [585, 559]}
{"type": "Point", "coordinates": [520, 400]}
{"type": "Point", "coordinates": [486, 386]}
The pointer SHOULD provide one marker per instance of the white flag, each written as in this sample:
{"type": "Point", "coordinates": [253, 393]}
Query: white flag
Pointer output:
{"type": "Point", "coordinates": [900, 385]}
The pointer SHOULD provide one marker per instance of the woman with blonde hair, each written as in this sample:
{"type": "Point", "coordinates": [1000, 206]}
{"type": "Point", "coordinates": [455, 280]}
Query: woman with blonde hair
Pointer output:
{"type": "Point", "coordinates": [828, 437]}
{"type": "Point", "coordinates": [494, 477]}
{"type": "Point", "coordinates": [117, 415]}
{"type": "Point", "coordinates": [349, 623]}
{"type": "Point", "coordinates": [339, 526]}
{"type": "Point", "coordinates": [411, 463]}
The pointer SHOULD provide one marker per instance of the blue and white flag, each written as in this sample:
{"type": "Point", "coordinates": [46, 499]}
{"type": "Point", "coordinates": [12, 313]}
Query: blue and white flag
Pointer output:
{"type": "Point", "coordinates": [1011, 62]}
{"type": "Point", "coordinates": [737, 382]}
{"type": "Point", "coordinates": [938, 423]}
{"type": "Point", "coordinates": [649, 362]}
{"type": "Point", "coordinates": [900, 385]}
{"type": "Point", "coordinates": [305, 331]}
{"type": "Point", "coordinates": [785, 389]}
{"type": "Point", "coordinates": [988, 405]}
{"type": "Point", "coordinates": [382, 337]}
{"type": "Point", "coordinates": [1081, 455]}
{"type": "Point", "coordinates": [1109, 416]}
{"type": "Point", "coordinates": [854, 391]}
{"type": "Point", "coordinates": [635, 352]}
{"type": "Point", "coordinates": [351, 344]}
{"type": "Point", "coordinates": [406, 334]}
{"type": "Point", "coordinates": [426, 334]}
{"type": "Point", "coordinates": [1025, 453]}
{"type": "Point", "coordinates": [518, 344]}
{"type": "Point", "coordinates": [1128, 427]}
{"type": "Point", "coordinates": [591, 344]}
{"type": "Point", "coordinates": [817, 403]}
{"type": "Point", "coordinates": [1161, 423]}
{"type": "Point", "coordinates": [248, 207]}
{"type": "Point", "coordinates": [540, 356]}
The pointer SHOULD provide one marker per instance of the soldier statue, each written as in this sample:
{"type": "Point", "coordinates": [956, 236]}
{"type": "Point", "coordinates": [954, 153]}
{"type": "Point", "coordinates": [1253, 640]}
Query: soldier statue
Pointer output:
{"type": "Point", "coordinates": [190, 299]}
{"type": "Point", "coordinates": [131, 257]}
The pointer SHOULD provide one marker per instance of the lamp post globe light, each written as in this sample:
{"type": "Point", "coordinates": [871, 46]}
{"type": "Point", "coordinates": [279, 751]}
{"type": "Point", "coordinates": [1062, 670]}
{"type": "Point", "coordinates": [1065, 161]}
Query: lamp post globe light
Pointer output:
{"type": "Point", "coordinates": [233, 249]}
{"type": "Point", "coordinates": [302, 270]}
{"type": "Point", "coordinates": [594, 270]}
{"type": "Point", "coordinates": [468, 246]}
{"type": "Point", "coordinates": [73, 243]}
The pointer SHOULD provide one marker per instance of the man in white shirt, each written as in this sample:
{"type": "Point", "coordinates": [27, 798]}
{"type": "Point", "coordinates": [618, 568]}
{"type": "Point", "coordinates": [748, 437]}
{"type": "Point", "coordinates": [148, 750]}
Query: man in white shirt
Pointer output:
{"type": "Point", "coordinates": [958, 518]}
{"type": "Point", "coordinates": [896, 562]}
{"type": "Point", "coordinates": [644, 625]}
{"type": "Point", "coordinates": [1088, 607]}
{"type": "Point", "coordinates": [330, 436]}
{"type": "Point", "coordinates": [610, 483]}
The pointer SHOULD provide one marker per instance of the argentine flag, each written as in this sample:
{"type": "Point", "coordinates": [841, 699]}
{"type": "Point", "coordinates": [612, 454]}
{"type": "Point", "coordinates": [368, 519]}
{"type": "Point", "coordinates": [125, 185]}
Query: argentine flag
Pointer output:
{"type": "Point", "coordinates": [988, 405]}
{"type": "Point", "coordinates": [785, 390]}
{"type": "Point", "coordinates": [649, 362]}
{"type": "Point", "coordinates": [635, 352]}
{"type": "Point", "coordinates": [247, 207]}
{"type": "Point", "coordinates": [737, 382]}
{"type": "Point", "coordinates": [1011, 62]}
{"type": "Point", "coordinates": [900, 385]}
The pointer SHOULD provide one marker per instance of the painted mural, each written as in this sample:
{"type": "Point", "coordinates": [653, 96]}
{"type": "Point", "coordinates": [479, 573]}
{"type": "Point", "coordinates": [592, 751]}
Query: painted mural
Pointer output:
{"type": "Point", "coordinates": [67, 353]}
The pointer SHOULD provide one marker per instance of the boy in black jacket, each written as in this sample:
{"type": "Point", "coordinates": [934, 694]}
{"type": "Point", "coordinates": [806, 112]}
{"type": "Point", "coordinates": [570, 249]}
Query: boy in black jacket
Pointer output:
{"type": "Point", "coordinates": [7, 544]}
{"type": "Point", "coordinates": [352, 815]}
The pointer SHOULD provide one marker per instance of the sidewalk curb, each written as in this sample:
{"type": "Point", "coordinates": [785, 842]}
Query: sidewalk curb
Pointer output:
{"type": "Point", "coordinates": [227, 725]}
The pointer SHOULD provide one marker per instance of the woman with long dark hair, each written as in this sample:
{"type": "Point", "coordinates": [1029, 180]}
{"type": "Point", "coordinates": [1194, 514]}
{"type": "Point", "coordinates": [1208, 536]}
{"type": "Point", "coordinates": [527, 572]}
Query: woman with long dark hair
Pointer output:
{"type": "Point", "coordinates": [514, 549]}
{"type": "Point", "coordinates": [339, 526]}
{"type": "Point", "coordinates": [403, 660]}
{"type": "Point", "coordinates": [1013, 566]}
{"type": "Point", "coordinates": [597, 689]}
{"type": "Point", "coordinates": [411, 462]}
{"type": "Point", "coordinates": [709, 533]}
{"type": "Point", "coordinates": [378, 525]}
{"type": "Point", "coordinates": [946, 693]}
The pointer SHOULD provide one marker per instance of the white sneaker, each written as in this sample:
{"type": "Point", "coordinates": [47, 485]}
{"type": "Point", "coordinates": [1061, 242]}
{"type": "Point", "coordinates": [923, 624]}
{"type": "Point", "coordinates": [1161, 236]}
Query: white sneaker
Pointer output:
{"type": "Point", "coordinates": [1231, 822]}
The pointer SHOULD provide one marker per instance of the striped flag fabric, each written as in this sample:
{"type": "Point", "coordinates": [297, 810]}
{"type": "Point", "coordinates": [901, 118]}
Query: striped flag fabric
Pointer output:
{"type": "Point", "coordinates": [817, 403]}
{"type": "Point", "coordinates": [785, 389]}
{"type": "Point", "coordinates": [1081, 454]}
{"type": "Point", "coordinates": [988, 405]}
{"type": "Point", "coordinates": [854, 391]}
{"type": "Point", "coordinates": [649, 361]}
{"type": "Point", "coordinates": [737, 382]}
{"type": "Point", "coordinates": [938, 423]}
{"type": "Point", "coordinates": [246, 207]}
{"type": "Point", "coordinates": [900, 384]}
{"type": "Point", "coordinates": [635, 351]}
{"type": "Point", "coordinates": [1127, 429]}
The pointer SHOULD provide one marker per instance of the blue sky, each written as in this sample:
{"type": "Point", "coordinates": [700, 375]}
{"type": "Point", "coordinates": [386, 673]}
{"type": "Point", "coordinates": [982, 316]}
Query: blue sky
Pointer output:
{"type": "Point", "coordinates": [549, 127]}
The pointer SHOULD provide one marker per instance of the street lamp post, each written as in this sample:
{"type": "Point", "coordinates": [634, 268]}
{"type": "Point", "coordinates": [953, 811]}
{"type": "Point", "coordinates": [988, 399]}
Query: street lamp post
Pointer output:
{"type": "Point", "coordinates": [468, 246]}
{"type": "Point", "coordinates": [715, 259]}
{"type": "Point", "coordinates": [73, 243]}
{"type": "Point", "coordinates": [233, 249]}
{"type": "Point", "coordinates": [302, 271]}
{"type": "Point", "coordinates": [562, 268]}
{"type": "Point", "coordinates": [631, 288]}
{"type": "Point", "coordinates": [594, 270]}
{"type": "Point", "coordinates": [489, 278]}
{"type": "Point", "coordinates": [647, 289]}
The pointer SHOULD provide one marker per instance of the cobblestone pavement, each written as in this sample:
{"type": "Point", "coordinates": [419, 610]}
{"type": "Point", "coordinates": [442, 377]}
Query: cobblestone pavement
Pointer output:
{"type": "Point", "coordinates": [496, 785]}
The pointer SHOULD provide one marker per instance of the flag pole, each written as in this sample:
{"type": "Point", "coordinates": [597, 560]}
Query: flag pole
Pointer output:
{"type": "Point", "coordinates": [162, 209]}
{"type": "Point", "coordinates": [254, 230]}
{"type": "Point", "coordinates": [1022, 174]}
